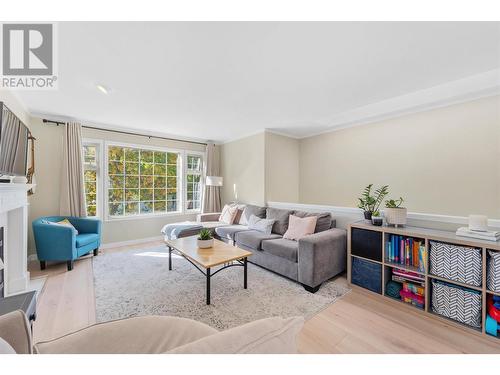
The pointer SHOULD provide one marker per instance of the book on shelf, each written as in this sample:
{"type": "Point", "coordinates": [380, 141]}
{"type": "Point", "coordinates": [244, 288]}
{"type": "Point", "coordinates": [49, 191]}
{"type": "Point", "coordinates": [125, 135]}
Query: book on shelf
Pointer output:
{"type": "Point", "coordinates": [406, 251]}
{"type": "Point", "coordinates": [488, 235]}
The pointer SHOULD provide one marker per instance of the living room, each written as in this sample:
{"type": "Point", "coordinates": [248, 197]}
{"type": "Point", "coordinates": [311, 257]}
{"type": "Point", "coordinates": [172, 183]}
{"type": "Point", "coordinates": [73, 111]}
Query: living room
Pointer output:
{"type": "Point", "coordinates": [319, 187]}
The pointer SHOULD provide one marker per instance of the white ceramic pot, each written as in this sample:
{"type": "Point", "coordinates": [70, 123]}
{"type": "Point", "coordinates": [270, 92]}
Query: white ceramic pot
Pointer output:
{"type": "Point", "coordinates": [205, 244]}
{"type": "Point", "coordinates": [395, 216]}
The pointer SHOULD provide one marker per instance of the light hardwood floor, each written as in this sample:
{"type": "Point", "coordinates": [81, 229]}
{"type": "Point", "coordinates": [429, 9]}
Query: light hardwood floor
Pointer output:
{"type": "Point", "coordinates": [357, 323]}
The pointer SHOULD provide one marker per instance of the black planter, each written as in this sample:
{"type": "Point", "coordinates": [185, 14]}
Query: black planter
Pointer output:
{"type": "Point", "coordinates": [368, 215]}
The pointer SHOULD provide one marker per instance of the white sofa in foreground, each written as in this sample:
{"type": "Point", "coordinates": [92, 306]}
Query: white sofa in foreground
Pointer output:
{"type": "Point", "coordinates": [155, 335]}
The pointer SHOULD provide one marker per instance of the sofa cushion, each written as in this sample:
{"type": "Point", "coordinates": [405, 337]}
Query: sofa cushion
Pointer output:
{"type": "Point", "coordinates": [266, 336]}
{"type": "Point", "coordinates": [281, 219]}
{"type": "Point", "coordinates": [282, 248]}
{"type": "Point", "coordinates": [86, 238]}
{"type": "Point", "coordinates": [227, 232]}
{"type": "Point", "coordinates": [261, 225]}
{"type": "Point", "coordinates": [5, 348]}
{"type": "Point", "coordinates": [299, 227]}
{"type": "Point", "coordinates": [252, 238]}
{"type": "Point", "coordinates": [228, 214]}
{"type": "Point", "coordinates": [324, 221]}
{"type": "Point", "coordinates": [139, 335]}
{"type": "Point", "coordinates": [250, 210]}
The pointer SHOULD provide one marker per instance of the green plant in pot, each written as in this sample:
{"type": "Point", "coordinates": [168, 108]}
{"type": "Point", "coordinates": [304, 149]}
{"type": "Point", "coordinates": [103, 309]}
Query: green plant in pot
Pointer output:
{"type": "Point", "coordinates": [205, 239]}
{"type": "Point", "coordinates": [369, 202]}
{"type": "Point", "coordinates": [377, 219]}
{"type": "Point", "coordinates": [394, 213]}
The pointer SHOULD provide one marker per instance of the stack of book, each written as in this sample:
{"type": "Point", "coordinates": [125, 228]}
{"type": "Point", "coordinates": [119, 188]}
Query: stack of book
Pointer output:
{"type": "Point", "coordinates": [413, 291]}
{"type": "Point", "coordinates": [487, 235]}
{"type": "Point", "coordinates": [406, 251]}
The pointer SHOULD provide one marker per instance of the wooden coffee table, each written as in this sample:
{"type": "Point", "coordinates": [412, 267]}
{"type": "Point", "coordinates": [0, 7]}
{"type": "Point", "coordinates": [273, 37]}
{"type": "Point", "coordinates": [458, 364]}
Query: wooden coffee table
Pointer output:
{"type": "Point", "coordinates": [204, 259]}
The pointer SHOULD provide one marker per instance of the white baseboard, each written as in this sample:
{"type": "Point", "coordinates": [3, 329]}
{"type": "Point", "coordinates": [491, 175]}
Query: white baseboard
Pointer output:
{"type": "Point", "coordinates": [33, 257]}
{"type": "Point", "coordinates": [448, 219]}
{"type": "Point", "coordinates": [130, 242]}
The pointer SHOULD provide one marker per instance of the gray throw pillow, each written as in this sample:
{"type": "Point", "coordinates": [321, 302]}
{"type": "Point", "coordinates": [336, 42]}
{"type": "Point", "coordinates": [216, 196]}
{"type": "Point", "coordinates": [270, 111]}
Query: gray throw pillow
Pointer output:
{"type": "Point", "coordinates": [250, 210]}
{"type": "Point", "coordinates": [281, 218]}
{"type": "Point", "coordinates": [323, 223]}
{"type": "Point", "coordinates": [260, 225]}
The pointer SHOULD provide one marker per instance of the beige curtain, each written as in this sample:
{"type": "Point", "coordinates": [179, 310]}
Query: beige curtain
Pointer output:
{"type": "Point", "coordinates": [211, 196]}
{"type": "Point", "coordinates": [11, 132]}
{"type": "Point", "coordinates": [72, 201]}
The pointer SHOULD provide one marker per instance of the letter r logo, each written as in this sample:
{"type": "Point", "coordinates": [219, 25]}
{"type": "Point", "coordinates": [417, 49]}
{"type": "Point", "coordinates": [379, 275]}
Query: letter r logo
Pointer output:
{"type": "Point", "coordinates": [27, 49]}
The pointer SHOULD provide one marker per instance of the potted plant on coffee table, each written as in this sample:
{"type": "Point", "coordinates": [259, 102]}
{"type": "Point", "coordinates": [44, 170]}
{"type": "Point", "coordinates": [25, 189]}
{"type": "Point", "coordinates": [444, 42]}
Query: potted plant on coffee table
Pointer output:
{"type": "Point", "coordinates": [394, 213]}
{"type": "Point", "coordinates": [370, 203]}
{"type": "Point", "coordinates": [205, 239]}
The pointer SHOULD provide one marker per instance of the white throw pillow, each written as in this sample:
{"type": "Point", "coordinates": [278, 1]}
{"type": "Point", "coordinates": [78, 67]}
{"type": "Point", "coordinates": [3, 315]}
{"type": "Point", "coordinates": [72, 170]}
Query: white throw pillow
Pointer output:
{"type": "Point", "coordinates": [261, 225]}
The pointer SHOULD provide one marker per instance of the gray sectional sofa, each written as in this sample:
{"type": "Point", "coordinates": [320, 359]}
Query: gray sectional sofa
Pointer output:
{"type": "Point", "coordinates": [310, 261]}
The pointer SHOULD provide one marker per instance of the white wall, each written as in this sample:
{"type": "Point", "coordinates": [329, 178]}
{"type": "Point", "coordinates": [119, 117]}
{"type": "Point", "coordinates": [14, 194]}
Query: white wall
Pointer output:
{"type": "Point", "coordinates": [442, 161]}
{"type": "Point", "coordinates": [243, 169]}
{"type": "Point", "coordinates": [282, 168]}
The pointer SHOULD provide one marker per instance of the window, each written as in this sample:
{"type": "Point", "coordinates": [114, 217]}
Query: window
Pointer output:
{"type": "Point", "coordinates": [91, 168]}
{"type": "Point", "coordinates": [193, 182]}
{"type": "Point", "coordinates": [143, 181]}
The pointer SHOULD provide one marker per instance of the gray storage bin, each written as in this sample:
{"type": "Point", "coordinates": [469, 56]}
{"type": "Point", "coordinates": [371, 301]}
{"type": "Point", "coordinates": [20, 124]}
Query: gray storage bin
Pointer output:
{"type": "Point", "coordinates": [457, 303]}
{"type": "Point", "coordinates": [456, 263]}
{"type": "Point", "coordinates": [493, 271]}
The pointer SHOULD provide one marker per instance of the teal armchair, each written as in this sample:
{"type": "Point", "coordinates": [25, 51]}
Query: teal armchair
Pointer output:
{"type": "Point", "coordinates": [59, 243]}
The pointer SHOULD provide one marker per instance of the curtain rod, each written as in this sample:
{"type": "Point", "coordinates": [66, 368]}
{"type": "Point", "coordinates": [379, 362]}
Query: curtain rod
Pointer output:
{"type": "Point", "coordinates": [127, 133]}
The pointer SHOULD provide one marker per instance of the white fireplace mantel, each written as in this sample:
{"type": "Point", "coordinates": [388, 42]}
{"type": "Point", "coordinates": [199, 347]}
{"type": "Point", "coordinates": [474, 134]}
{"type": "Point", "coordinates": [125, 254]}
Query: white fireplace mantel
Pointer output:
{"type": "Point", "coordinates": [14, 220]}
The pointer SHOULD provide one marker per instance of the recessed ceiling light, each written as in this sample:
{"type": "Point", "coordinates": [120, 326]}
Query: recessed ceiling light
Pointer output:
{"type": "Point", "coordinates": [103, 89]}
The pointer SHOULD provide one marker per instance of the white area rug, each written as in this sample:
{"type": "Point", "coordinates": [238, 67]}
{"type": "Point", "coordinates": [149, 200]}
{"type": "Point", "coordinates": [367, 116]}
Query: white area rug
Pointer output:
{"type": "Point", "coordinates": [138, 282]}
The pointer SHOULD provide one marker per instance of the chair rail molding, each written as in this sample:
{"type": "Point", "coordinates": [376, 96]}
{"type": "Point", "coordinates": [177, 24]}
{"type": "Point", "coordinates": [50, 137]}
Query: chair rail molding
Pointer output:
{"type": "Point", "coordinates": [357, 212]}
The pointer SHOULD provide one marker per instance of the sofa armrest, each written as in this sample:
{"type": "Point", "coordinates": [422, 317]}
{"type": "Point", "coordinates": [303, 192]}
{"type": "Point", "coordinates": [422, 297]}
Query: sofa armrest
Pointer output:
{"type": "Point", "coordinates": [54, 242]}
{"type": "Point", "coordinates": [86, 225]}
{"type": "Point", "coordinates": [321, 256]}
{"type": "Point", "coordinates": [211, 216]}
{"type": "Point", "coordinates": [15, 329]}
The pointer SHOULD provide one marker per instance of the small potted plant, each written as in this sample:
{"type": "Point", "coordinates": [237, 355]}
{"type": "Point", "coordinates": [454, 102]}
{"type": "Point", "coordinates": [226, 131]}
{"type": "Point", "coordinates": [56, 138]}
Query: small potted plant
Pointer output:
{"type": "Point", "coordinates": [394, 213]}
{"type": "Point", "coordinates": [205, 239]}
{"type": "Point", "coordinates": [377, 219]}
{"type": "Point", "coordinates": [370, 203]}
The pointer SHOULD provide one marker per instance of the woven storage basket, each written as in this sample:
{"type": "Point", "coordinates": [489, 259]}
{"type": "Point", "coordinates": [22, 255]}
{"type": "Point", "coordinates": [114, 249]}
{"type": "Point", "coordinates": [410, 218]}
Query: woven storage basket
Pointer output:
{"type": "Point", "coordinates": [457, 263]}
{"type": "Point", "coordinates": [493, 271]}
{"type": "Point", "coordinates": [460, 304]}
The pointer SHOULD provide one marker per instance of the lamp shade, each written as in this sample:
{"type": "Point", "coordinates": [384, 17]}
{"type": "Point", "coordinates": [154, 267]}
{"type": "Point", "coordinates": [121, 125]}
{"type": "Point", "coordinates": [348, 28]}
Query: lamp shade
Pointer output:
{"type": "Point", "coordinates": [213, 181]}
{"type": "Point", "coordinates": [1, 264]}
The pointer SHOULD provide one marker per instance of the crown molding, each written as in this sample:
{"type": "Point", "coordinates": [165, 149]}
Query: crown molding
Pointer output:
{"type": "Point", "coordinates": [462, 90]}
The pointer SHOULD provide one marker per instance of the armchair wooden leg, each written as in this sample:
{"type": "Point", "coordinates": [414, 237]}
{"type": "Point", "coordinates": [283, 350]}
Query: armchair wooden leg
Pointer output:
{"type": "Point", "coordinates": [96, 252]}
{"type": "Point", "coordinates": [43, 264]}
{"type": "Point", "coordinates": [70, 265]}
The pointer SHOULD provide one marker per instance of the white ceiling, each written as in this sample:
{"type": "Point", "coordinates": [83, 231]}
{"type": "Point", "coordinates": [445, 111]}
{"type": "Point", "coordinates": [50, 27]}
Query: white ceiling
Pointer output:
{"type": "Point", "coordinates": [224, 80]}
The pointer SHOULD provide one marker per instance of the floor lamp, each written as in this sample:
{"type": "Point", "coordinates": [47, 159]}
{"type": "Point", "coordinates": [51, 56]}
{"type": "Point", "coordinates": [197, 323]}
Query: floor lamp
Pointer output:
{"type": "Point", "coordinates": [215, 181]}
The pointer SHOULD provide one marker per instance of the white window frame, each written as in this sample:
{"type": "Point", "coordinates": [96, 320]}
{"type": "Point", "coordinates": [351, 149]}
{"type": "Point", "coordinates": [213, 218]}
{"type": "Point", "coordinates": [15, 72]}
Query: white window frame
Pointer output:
{"type": "Point", "coordinates": [202, 180]}
{"type": "Point", "coordinates": [181, 185]}
{"type": "Point", "coordinates": [98, 143]}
